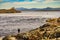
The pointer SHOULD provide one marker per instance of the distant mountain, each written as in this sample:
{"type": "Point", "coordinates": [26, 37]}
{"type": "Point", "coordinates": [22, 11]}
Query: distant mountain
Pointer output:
{"type": "Point", "coordinates": [21, 8]}
{"type": "Point", "coordinates": [27, 9]}
{"type": "Point", "coordinates": [39, 9]}
{"type": "Point", "coordinates": [35, 9]}
{"type": "Point", "coordinates": [48, 8]}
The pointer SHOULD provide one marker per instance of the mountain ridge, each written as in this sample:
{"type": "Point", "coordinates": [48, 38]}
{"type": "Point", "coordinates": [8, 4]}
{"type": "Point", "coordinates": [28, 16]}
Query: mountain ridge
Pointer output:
{"type": "Point", "coordinates": [39, 9]}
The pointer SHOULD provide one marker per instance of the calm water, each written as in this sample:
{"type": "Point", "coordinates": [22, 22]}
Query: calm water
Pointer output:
{"type": "Point", "coordinates": [25, 21]}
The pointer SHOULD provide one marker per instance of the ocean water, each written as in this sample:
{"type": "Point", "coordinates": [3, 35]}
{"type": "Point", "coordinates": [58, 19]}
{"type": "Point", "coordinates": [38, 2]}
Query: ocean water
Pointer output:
{"type": "Point", "coordinates": [25, 21]}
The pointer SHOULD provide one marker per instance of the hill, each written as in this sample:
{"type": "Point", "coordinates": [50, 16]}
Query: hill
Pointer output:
{"type": "Point", "coordinates": [12, 10]}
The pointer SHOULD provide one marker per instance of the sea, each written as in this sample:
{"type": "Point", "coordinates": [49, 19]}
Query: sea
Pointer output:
{"type": "Point", "coordinates": [25, 21]}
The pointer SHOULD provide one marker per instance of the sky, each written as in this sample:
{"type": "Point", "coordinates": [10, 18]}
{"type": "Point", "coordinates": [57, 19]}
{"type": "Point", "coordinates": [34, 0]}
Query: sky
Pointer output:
{"type": "Point", "coordinates": [7, 4]}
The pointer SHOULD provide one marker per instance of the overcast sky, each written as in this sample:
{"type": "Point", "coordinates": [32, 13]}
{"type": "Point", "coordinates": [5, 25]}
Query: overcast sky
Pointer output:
{"type": "Point", "coordinates": [6, 4]}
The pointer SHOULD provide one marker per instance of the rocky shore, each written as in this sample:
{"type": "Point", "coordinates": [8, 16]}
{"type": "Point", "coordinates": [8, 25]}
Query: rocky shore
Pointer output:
{"type": "Point", "coordinates": [48, 31]}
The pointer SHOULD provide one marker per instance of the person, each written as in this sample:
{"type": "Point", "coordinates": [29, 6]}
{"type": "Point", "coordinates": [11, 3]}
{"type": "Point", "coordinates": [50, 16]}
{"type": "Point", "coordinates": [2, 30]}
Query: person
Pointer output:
{"type": "Point", "coordinates": [18, 30]}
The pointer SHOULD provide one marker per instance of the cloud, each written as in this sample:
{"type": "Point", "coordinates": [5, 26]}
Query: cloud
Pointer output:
{"type": "Point", "coordinates": [8, 5]}
{"type": "Point", "coordinates": [37, 0]}
{"type": "Point", "coordinates": [48, 1]}
{"type": "Point", "coordinates": [56, 0]}
{"type": "Point", "coordinates": [17, 0]}
{"type": "Point", "coordinates": [1, 0]}
{"type": "Point", "coordinates": [33, 4]}
{"type": "Point", "coordinates": [52, 0]}
{"type": "Point", "coordinates": [45, 1]}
